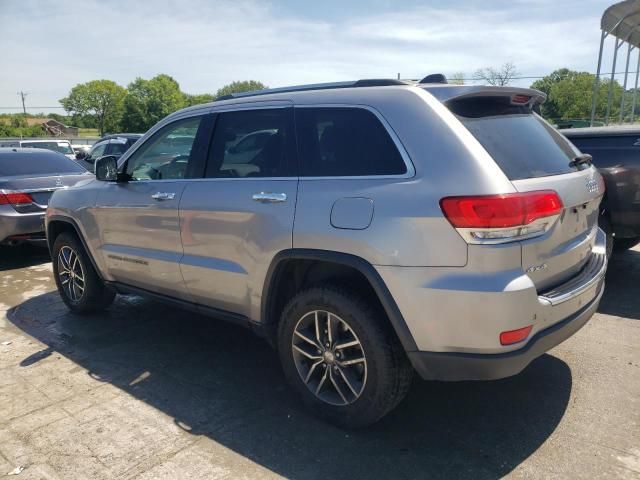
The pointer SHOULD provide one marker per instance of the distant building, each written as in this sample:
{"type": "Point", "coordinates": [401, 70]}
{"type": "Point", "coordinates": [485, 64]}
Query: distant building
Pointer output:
{"type": "Point", "coordinates": [53, 127]}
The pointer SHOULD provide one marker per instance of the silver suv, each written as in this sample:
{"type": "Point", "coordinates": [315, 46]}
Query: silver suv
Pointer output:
{"type": "Point", "coordinates": [366, 229]}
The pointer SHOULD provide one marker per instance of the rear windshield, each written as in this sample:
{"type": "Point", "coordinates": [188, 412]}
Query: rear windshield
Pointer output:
{"type": "Point", "coordinates": [520, 142]}
{"type": "Point", "coordinates": [62, 147]}
{"type": "Point", "coordinates": [20, 163]}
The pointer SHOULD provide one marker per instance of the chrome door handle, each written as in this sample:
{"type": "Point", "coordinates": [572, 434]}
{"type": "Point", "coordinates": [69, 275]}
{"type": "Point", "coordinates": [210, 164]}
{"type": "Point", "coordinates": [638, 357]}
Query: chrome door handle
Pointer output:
{"type": "Point", "coordinates": [263, 197]}
{"type": "Point", "coordinates": [163, 196]}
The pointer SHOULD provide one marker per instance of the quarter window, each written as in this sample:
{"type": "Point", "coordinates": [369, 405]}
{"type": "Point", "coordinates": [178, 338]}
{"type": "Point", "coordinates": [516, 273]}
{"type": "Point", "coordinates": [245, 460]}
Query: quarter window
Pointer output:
{"type": "Point", "coordinates": [252, 143]}
{"type": "Point", "coordinates": [166, 155]}
{"type": "Point", "coordinates": [335, 142]}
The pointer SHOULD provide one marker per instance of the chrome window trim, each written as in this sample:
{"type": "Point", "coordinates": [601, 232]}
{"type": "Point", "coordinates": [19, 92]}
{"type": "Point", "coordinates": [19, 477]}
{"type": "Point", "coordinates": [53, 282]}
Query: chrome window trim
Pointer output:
{"type": "Point", "coordinates": [273, 104]}
{"type": "Point", "coordinates": [263, 105]}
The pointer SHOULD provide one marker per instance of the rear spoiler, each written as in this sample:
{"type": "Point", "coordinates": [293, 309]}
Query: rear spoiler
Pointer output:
{"type": "Point", "coordinates": [522, 96]}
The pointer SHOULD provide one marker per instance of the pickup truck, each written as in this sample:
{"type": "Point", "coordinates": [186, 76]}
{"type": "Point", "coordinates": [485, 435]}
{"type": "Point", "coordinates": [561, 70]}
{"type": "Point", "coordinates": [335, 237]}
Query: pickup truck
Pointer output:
{"type": "Point", "coordinates": [616, 154]}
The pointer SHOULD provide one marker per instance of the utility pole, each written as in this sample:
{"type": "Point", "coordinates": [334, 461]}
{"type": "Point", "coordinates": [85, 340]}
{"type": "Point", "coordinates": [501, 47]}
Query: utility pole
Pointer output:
{"type": "Point", "coordinates": [22, 96]}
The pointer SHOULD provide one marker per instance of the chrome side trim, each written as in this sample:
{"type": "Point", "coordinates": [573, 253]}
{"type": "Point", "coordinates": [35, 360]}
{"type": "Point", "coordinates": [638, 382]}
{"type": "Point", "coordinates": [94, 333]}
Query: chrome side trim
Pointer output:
{"type": "Point", "coordinates": [592, 273]}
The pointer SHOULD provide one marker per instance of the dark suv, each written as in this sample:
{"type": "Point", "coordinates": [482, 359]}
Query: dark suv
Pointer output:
{"type": "Point", "coordinates": [114, 145]}
{"type": "Point", "coordinates": [616, 153]}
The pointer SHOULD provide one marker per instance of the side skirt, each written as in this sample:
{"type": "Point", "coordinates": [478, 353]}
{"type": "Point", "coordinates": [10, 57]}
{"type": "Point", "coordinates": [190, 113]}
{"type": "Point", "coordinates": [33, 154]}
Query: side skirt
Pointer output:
{"type": "Point", "coordinates": [217, 313]}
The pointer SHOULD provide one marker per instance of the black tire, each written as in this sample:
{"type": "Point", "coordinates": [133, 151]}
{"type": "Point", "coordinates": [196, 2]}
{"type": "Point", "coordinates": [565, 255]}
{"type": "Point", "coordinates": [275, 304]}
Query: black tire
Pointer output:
{"type": "Point", "coordinates": [388, 371]}
{"type": "Point", "coordinates": [605, 224]}
{"type": "Point", "coordinates": [95, 295]}
{"type": "Point", "coordinates": [622, 244]}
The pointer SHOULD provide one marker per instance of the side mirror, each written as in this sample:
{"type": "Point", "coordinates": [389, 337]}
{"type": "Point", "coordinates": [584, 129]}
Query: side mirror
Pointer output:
{"type": "Point", "coordinates": [106, 169]}
{"type": "Point", "coordinates": [81, 155]}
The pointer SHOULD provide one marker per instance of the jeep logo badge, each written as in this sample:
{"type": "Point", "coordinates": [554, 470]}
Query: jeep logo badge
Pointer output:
{"type": "Point", "coordinates": [592, 186]}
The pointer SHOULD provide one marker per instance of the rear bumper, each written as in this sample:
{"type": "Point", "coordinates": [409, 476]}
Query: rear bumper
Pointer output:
{"type": "Point", "coordinates": [27, 227]}
{"type": "Point", "coordinates": [450, 366]}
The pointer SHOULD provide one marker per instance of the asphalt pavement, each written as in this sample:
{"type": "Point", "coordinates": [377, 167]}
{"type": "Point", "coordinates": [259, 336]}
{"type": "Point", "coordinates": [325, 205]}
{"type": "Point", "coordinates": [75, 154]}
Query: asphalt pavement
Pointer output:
{"type": "Point", "coordinates": [148, 391]}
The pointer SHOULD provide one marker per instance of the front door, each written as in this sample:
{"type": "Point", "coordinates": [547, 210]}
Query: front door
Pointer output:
{"type": "Point", "coordinates": [138, 219]}
{"type": "Point", "coordinates": [241, 215]}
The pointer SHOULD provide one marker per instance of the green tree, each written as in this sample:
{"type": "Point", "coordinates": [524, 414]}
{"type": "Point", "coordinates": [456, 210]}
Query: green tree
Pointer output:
{"type": "Point", "coordinates": [239, 87]}
{"type": "Point", "coordinates": [198, 99]}
{"type": "Point", "coordinates": [550, 107]}
{"type": "Point", "coordinates": [101, 98]}
{"type": "Point", "coordinates": [148, 101]}
{"type": "Point", "coordinates": [569, 96]}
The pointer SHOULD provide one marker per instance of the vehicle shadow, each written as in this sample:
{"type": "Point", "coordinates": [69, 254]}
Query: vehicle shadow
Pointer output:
{"type": "Point", "coordinates": [621, 297]}
{"type": "Point", "coordinates": [22, 256]}
{"type": "Point", "coordinates": [219, 380]}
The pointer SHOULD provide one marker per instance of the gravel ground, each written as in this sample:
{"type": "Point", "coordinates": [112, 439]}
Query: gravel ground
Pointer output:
{"type": "Point", "coordinates": [147, 391]}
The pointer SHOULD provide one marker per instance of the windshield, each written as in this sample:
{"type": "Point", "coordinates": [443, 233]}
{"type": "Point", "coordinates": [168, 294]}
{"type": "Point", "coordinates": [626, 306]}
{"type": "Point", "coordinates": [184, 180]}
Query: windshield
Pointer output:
{"type": "Point", "coordinates": [20, 163]}
{"type": "Point", "coordinates": [61, 147]}
{"type": "Point", "coordinates": [519, 141]}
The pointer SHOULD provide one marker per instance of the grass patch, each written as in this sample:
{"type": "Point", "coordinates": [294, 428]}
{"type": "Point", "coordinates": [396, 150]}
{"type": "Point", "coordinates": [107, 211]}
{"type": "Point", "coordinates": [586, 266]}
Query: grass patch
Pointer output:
{"type": "Point", "coordinates": [88, 132]}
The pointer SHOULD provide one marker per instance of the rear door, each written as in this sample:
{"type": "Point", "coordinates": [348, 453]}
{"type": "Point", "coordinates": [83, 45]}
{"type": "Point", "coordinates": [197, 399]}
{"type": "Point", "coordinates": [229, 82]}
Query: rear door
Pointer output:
{"type": "Point", "coordinates": [138, 219]}
{"type": "Point", "coordinates": [235, 220]}
{"type": "Point", "coordinates": [534, 156]}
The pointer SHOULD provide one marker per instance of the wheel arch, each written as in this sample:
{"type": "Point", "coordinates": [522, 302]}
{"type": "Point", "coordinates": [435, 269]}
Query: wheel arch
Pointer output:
{"type": "Point", "coordinates": [58, 224]}
{"type": "Point", "coordinates": [281, 264]}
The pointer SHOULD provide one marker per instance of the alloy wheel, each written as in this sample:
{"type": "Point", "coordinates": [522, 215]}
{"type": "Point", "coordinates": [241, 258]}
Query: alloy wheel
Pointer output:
{"type": "Point", "coordinates": [329, 357]}
{"type": "Point", "coordinates": [71, 274]}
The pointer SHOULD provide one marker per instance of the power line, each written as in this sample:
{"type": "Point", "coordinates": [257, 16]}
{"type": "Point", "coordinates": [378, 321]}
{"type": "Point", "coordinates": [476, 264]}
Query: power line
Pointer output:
{"type": "Point", "coordinates": [472, 79]}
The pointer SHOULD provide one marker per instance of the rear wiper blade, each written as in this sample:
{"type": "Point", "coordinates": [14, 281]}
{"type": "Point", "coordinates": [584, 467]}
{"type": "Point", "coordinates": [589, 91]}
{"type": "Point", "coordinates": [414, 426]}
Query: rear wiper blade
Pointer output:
{"type": "Point", "coordinates": [580, 159]}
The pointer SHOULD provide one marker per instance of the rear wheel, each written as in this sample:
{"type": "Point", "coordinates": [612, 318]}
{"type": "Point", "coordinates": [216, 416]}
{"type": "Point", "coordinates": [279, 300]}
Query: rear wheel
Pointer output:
{"type": "Point", "coordinates": [342, 357]}
{"type": "Point", "coordinates": [622, 244]}
{"type": "Point", "coordinates": [78, 283]}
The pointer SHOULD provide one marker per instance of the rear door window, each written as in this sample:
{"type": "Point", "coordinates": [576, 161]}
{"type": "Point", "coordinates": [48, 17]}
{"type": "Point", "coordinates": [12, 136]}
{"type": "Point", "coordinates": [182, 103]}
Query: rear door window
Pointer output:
{"type": "Point", "coordinates": [253, 143]}
{"type": "Point", "coordinates": [519, 141]}
{"type": "Point", "coordinates": [345, 141]}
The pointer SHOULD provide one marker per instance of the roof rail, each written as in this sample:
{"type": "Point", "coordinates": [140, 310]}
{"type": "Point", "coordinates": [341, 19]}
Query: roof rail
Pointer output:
{"type": "Point", "coordinates": [373, 82]}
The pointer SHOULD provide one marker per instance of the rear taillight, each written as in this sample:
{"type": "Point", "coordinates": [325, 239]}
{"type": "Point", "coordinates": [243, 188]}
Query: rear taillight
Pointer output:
{"type": "Point", "coordinates": [15, 198]}
{"type": "Point", "coordinates": [502, 218]}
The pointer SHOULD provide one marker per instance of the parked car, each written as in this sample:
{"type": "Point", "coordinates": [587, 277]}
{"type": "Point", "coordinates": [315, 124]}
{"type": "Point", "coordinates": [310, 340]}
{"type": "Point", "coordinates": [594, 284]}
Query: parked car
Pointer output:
{"type": "Point", "coordinates": [616, 154]}
{"type": "Point", "coordinates": [28, 177]}
{"type": "Point", "coordinates": [80, 151]}
{"type": "Point", "coordinates": [384, 228]}
{"type": "Point", "coordinates": [60, 146]}
{"type": "Point", "coordinates": [114, 145]}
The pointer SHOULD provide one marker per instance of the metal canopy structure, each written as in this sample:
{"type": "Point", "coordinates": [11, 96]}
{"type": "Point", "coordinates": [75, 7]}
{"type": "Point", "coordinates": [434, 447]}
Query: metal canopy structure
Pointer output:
{"type": "Point", "coordinates": [620, 21]}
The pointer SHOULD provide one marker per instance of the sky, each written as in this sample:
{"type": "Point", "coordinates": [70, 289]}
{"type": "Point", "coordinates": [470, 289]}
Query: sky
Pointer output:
{"type": "Point", "coordinates": [48, 47]}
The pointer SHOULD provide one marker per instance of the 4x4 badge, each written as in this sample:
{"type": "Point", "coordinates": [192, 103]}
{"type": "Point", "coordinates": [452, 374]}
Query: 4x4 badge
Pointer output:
{"type": "Point", "coordinates": [59, 182]}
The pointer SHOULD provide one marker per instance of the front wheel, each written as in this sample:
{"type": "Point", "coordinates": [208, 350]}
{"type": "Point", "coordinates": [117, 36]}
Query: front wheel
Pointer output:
{"type": "Point", "coordinates": [78, 283]}
{"type": "Point", "coordinates": [341, 355]}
